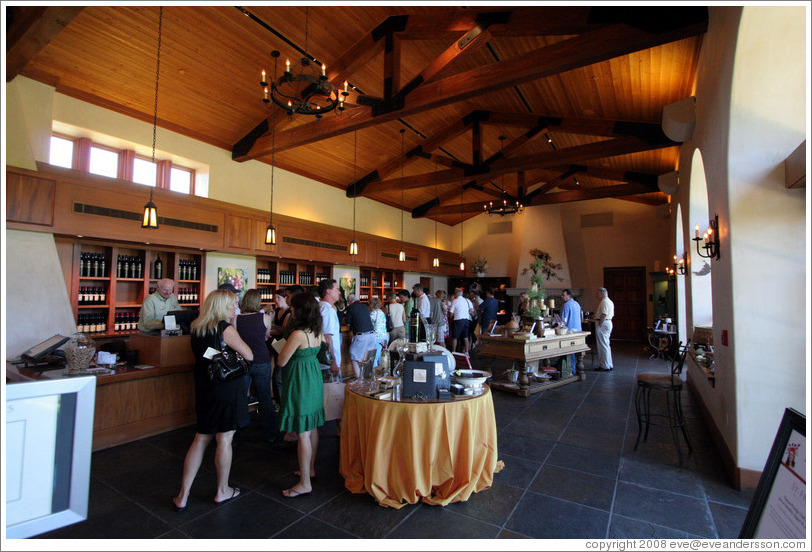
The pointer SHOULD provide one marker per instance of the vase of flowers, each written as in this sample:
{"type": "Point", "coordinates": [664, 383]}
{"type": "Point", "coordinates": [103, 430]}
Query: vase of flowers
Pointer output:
{"type": "Point", "coordinates": [543, 268]}
{"type": "Point", "coordinates": [480, 266]}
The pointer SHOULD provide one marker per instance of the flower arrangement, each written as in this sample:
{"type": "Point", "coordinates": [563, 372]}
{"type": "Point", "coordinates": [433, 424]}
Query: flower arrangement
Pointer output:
{"type": "Point", "coordinates": [480, 264]}
{"type": "Point", "coordinates": [543, 269]}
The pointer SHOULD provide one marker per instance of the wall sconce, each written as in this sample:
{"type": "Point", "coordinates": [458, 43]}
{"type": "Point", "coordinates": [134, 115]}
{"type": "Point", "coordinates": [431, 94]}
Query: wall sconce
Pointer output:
{"type": "Point", "coordinates": [710, 240]}
{"type": "Point", "coordinates": [679, 264]}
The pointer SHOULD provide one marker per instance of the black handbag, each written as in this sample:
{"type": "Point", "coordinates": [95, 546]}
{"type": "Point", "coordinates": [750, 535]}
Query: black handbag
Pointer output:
{"type": "Point", "coordinates": [325, 355]}
{"type": "Point", "coordinates": [389, 325]}
{"type": "Point", "coordinates": [228, 364]}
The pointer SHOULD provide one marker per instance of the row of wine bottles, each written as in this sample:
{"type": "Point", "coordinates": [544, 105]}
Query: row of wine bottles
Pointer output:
{"type": "Point", "coordinates": [184, 294]}
{"type": "Point", "coordinates": [126, 321]}
{"type": "Point", "coordinates": [92, 265]}
{"type": "Point", "coordinates": [129, 266]}
{"type": "Point", "coordinates": [92, 323]}
{"type": "Point", "coordinates": [364, 281]}
{"type": "Point", "coordinates": [90, 295]}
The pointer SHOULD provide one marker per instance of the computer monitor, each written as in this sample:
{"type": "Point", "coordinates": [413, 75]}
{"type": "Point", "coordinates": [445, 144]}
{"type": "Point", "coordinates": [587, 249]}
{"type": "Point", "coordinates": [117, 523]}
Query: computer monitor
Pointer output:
{"type": "Point", "coordinates": [184, 318]}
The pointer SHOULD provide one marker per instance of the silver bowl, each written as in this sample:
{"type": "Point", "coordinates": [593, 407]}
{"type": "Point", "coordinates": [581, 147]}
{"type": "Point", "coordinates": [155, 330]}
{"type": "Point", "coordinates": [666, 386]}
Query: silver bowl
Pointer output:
{"type": "Point", "coordinates": [470, 378]}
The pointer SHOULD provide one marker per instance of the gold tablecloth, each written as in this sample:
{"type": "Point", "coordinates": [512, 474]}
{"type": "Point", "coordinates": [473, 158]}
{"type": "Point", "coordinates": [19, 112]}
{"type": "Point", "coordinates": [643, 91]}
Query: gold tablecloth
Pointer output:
{"type": "Point", "coordinates": [402, 453]}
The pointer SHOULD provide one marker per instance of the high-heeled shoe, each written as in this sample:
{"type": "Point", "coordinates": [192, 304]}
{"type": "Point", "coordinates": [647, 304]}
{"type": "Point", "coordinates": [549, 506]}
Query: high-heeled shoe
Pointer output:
{"type": "Point", "coordinates": [178, 508]}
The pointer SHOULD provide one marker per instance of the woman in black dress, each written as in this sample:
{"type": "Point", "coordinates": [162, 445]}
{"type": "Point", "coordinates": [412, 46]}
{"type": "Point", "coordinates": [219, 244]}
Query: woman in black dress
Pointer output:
{"type": "Point", "coordinates": [221, 408]}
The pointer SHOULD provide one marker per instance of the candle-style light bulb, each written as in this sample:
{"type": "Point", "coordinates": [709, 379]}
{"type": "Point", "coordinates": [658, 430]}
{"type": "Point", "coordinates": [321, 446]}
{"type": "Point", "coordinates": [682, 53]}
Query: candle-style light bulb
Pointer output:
{"type": "Point", "coordinates": [263, 75]}
{"type": "Point", "coordinates": [345, 86]}
{"type": "Point", "coordinates": [697, 231]}
{"type": "Point", "coordinates": [287, 66]}
{"type": "Point", "coordinates": [323, 70]}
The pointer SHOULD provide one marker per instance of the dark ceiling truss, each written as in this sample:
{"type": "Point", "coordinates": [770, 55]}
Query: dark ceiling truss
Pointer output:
{"type": "Point", "coordinates": [600, 34]}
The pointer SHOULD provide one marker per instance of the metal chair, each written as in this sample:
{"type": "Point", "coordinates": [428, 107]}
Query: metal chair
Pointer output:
{"type": "Point", "coordinates": [672, 385]}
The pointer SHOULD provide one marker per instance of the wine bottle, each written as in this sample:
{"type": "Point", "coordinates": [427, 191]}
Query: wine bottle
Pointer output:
{"type": "Point", "coordinates": [118, 267]}
{"type": "Point", "coordinates": [103, 266]}
{"type": "Point", "coordinates": [159, 267]}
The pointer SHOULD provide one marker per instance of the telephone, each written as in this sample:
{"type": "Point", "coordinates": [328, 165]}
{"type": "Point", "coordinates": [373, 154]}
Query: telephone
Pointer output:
{"type": "Point", "coordinates": [40, 350]}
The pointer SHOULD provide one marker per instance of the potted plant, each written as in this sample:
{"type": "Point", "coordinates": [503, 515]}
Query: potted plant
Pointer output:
{"type": "Point", "coordinates": [479, 266]}
{"type": "Point", "coordinates": [543, 268]}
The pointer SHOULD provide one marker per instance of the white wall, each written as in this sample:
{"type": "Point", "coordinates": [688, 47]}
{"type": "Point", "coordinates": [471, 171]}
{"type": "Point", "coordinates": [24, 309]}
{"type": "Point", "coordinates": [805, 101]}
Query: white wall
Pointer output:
{"type": "Point", "coordinates": [751, 114]}
{"type": "Point", "coordinates": [768, 121]}
{"type": "Point", "coordinates": [35, 308]}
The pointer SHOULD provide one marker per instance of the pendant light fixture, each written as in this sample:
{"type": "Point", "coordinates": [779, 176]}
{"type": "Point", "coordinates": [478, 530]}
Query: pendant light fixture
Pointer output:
{"type": "Point", "coordinates": [402, 254]}
{"type": "Point", "coordinates": [353, 243]}
{"type": "Point", "coordinates": [150, 219]}
{"type": "Point", "coordinates": [436, 262]}
{"type": "Point", "coordinates": [270, 231]}
{"type": "Point", "coordinates": [462, 223]}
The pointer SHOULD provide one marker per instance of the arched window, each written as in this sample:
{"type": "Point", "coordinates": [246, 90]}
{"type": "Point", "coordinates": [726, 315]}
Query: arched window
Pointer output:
{"type": "Point", "coordinates": [699, 268]}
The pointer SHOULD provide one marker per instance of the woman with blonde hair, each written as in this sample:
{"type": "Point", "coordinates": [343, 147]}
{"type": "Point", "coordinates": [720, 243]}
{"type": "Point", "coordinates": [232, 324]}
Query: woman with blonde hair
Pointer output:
{"type": "Point", "coordinates": [302, 410]}
{"type": "Point", "coordinates": [221, 408]}
{"type": "Point", "coordinates": [378, 318]}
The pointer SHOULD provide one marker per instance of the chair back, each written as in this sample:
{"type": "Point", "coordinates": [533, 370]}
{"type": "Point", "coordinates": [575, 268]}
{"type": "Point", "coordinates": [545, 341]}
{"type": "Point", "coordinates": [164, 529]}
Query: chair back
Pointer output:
{"type": "Point", "coordinates": [679, 360]}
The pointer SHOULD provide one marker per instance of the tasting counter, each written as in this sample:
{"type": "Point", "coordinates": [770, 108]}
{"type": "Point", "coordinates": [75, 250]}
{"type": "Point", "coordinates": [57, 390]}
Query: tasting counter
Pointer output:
{"type": "Point", "coordinates": [405, 452]}
{"type": "Point", "coordinates": [132, 403]}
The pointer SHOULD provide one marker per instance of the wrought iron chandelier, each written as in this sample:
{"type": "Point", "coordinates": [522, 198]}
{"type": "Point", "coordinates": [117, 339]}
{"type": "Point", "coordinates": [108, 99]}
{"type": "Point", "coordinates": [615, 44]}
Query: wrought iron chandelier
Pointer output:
{"type": "Point", "coordinates": [307, 92]}
{"type": "Point", "coordinates": [506, 206]}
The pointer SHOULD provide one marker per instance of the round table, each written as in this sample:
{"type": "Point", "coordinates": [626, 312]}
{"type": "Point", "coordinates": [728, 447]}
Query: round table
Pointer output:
{"type": "Point", "coordinates": [407, 452]}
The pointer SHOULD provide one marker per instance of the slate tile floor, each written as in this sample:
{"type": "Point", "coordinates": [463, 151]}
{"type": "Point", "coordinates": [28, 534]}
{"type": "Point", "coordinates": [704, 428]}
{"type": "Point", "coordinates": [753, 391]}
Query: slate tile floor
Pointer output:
{"type": "Point", "coordinates": [570, 472]}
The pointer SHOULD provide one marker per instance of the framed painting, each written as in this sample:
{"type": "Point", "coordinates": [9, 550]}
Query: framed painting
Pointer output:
{"type": "Point", "coordinates": [233, 276]}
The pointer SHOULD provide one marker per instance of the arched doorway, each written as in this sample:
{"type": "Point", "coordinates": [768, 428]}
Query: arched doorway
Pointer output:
{"type": "Point", "coordinates": [699, 269]}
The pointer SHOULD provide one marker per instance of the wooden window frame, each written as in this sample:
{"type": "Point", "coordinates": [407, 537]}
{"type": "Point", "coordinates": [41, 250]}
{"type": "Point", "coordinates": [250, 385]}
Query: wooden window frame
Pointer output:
{"type": "Point", "coordinates": [126, 161]}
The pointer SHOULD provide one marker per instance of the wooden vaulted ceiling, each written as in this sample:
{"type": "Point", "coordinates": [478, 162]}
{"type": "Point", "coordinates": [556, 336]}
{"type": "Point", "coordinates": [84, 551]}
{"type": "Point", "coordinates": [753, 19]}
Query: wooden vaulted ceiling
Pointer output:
{"type": "Point", "coordinates": [549, 104]}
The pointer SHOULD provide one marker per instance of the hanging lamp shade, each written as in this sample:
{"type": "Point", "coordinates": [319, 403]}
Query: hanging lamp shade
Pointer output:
{"type": "Point", "coordinates": [150, 215]}
{"type": "Point", "coordinates": [150, 219]}
{"type": "Point", "coordinates": [270, 234]}
{"type": "Point", "coordinates": [353, 247]}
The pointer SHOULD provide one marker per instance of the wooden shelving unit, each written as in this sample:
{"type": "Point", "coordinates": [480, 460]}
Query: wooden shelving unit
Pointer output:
{"type": "Point", "coordinates": [280, 273]}
{"type": "Point", "coordinates": [378, 283]}
{"type": "Point", "coordinates": [124, 275]}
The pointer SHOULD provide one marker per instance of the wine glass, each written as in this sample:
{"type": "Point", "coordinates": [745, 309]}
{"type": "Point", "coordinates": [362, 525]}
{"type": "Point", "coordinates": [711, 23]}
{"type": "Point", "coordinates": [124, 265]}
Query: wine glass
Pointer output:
{"type": "Point", "coordinates": [431, 334]}
{"type": "Point", "coordinates": [397, 371]}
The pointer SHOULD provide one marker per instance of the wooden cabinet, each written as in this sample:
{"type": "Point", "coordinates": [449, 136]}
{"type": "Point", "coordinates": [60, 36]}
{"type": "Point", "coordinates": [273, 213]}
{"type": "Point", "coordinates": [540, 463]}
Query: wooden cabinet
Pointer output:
{"type": "Point", "coordinates": [108, 283]}
{"type": "Point", "coordinates": [280, 273]}
{"type": "Point", "coordinates": [375, 283]}
{"type": "Point", "coordinates": [499, 285]}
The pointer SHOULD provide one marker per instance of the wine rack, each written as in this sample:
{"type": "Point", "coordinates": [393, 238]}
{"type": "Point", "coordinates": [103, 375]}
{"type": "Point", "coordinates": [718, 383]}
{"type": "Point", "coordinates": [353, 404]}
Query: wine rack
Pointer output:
{"type": "Point", "coordinates": [375, 283]}
{"type": "Point", "coordinates": [108, 283]}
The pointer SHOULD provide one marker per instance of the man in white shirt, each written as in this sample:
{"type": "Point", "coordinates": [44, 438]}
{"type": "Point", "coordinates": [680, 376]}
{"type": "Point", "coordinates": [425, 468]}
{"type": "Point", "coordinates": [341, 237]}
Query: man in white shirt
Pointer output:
{"type": "Point", "coordinates": [423, 305]}
{"type": "Point", "coordinates": [331, 328]}
{"type": "Point", "coordinates": [459, 314]}
{"type": "Point", "coordinates": [603, 329]}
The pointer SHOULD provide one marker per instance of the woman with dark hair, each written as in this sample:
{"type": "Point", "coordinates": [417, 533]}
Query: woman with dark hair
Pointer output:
{"type": "Point", "coordinates": [221, 408]}
{"type": "Point", "coordinates": [302, 410]}
{"type": "Point", "coordinates": [254, 328]}
{"type": "Point", "coordinates": [281, 317]}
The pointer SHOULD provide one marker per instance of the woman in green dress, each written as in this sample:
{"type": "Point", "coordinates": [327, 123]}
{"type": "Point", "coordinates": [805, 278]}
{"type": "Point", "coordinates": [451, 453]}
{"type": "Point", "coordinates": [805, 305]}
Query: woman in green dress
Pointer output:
{"type": "Point", "coordinates": [302, 410]}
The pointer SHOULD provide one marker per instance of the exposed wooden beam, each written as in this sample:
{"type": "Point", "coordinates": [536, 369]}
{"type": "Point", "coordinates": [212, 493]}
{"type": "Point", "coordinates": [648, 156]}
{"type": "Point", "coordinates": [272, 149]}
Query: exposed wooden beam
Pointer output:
{"type": "Point", "coordinates": [30, 29]}
{"type": "Point", "coordinates": [392, 164]}
{"type": "Point", "coordinates": [592, 47]}
{"type": "Point", "coordinates": [592, 193]}
{"type": "Point", "coordinates": [547, 160]}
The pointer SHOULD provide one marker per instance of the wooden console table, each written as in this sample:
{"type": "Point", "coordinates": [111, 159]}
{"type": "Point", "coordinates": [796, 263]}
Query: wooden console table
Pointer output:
{"type": "Point", "coordinates": [527, 354]}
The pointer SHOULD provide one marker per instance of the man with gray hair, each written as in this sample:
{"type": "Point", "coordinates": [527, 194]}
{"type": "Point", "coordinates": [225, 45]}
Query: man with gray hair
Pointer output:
{"type": "Point", "coordinates": [603, 329]}
{"type": "Point", "coordinates": [157, 305]}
